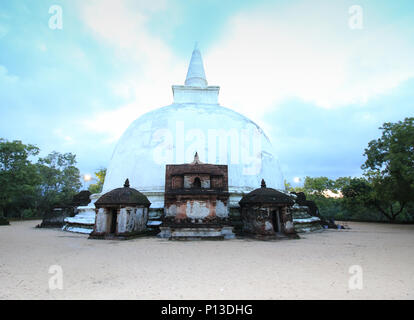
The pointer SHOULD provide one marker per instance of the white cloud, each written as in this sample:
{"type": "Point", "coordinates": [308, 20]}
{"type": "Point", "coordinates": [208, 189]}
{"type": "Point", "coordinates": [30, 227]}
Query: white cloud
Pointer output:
{"type": "Point", "coordinates": [307, 51]}
{"type": "Point", "coordinates": [68, 140]}
{"type": "Point", "coordinates": [264, 56]}
{"type": "Point", "coordinates": [123, 25]}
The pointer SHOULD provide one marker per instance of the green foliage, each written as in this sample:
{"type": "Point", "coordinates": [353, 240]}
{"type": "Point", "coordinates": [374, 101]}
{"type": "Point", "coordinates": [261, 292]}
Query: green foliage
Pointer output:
{"type": "Point", "coordinates": [18, 176]}
{"type": "Point", "coordinates": [288, 186]}
{"type": "Point", "coordinates": [386, 192]}
{"type": "Point", "coordinates": [318, 185]}
{"type": "Point", "coordinates": [356, 202]}
{"type": "Point", "coordinates": [4, 221]}
{"type": "Point", "coordinates": [60, 180]}
{"type": "Point", "coordinates": [329, 208]}
{"type": "Point", "coordinates": [97, 187]}
{"type": "Point", "coordinates": [389, 167]}
{"type": "Point", "coordinates": [29, 189]}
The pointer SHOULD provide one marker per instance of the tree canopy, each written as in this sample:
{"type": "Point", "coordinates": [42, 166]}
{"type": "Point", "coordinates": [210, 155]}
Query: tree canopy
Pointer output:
{"type": "Point", "coordinates": [18, 176]}
{"type": "Point", "coordinates": [389, 167]}
{"type": "Point", "coordinates": [31, 188]}
{"type": "Point", "coordinates": [97, 187]}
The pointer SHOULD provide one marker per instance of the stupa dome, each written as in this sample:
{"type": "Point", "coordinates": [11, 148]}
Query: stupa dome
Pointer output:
{"type": "Point", "coordinates": [194, 122]}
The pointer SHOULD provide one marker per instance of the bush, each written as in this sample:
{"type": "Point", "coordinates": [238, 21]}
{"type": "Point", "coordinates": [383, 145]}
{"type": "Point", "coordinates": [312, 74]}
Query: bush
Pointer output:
{"type": "Point", "coordinates": [28, 213]}
{"type": "Point", "coordinates": [4, 221]}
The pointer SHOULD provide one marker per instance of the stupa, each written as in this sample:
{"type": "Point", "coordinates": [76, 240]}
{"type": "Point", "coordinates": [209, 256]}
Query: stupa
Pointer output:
{"type": "Point", "coordinates": [195, 121]}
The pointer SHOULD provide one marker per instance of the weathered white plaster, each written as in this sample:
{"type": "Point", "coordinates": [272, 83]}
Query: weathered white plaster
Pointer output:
{"type": "Point", "coordinates": [205, 183]}
{"type": "Point", "coordinates": [141, 219]}
{"type": "Point", "coordinates": [268, 226]}
{"type": "Point", "coordinates": [171, 211]}
{"type": "Point", "coordinates": [122, 220]}
{"type": "Point", "coordinates": [228, 233]}
{"type": "Point", "coordinates": [101, 221]}
{"type": "Point", "coordinates": [289, 225]}
{"type": "Point", "coordinates": [197, 209]}
{"type": "Point", "coordinates": [222, 211]}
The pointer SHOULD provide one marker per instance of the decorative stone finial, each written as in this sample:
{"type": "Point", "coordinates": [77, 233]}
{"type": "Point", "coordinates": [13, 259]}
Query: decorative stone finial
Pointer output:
{"type": "Point", "coordinates": [263, 184]}
{"type": "Point", "coordinates": [196, 159]}
{"type": "Point", "coordinates": [126, 184]}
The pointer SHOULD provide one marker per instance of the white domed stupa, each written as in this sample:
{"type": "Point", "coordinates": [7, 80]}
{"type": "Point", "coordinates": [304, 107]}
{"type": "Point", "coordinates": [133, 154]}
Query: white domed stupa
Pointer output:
{"type": "Point", "coordinates": [194, 122]}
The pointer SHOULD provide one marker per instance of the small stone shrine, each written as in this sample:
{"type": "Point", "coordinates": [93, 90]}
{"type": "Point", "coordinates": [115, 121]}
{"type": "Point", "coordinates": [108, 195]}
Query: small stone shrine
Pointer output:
{"type": "Point", "coordinates": [265, 213]}
{"type": "Point", "coordinates": [121, 213]}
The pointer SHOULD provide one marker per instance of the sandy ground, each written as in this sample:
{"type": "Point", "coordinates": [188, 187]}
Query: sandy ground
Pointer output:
{"type": "Point", "coordinates": [314, 267]}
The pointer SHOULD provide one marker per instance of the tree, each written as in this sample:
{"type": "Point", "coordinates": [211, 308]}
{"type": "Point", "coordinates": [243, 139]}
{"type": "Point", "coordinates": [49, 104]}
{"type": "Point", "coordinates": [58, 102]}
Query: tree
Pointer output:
{"type": "Point", "coordinates": [357, 197]}
{"type": "Point", "coordinates": [60, 180]}
{"type": "Point", "coordinates": [97, 187]}
{"type": "Point", "coordinates": [290, 188]}
{"type": "Point", "coordinates": [389, 167]}
{"type": "Point", "coordinates": [341, 183]}
{"type": "Point", "coordinates": [18, 176]}
{"type": "Point", "coordinates": [317, 186]}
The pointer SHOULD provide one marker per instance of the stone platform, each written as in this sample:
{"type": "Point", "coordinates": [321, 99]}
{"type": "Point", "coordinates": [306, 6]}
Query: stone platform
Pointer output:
{"type": "Point", "coordinates": [303, 221]}
{"type": "Point", "coordinates": [84, 220]}
{"type": "Point", "coordinates": [196, 233]}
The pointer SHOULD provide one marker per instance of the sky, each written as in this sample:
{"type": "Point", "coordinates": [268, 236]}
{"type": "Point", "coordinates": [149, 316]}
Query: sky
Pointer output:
{"type": "Point", "coordinates": [320, 77]}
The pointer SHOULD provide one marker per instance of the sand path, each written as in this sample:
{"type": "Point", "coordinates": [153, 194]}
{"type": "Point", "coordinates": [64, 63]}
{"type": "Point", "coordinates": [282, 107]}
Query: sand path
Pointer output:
{"type": "Point", "coordinates": [314, 267]}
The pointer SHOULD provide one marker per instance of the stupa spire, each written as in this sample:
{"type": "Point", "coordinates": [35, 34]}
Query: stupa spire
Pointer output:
{"type": "Point", "coordinates": [196, 76]}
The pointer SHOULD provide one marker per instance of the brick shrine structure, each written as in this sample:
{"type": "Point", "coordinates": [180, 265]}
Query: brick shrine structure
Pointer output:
{"type": "Point", "coordinates": [196, 202]}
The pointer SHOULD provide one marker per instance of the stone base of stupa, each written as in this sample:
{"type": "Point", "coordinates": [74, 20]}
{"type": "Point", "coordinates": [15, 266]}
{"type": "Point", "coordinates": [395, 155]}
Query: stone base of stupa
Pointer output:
{"type": "Point", "coordinates": [83, 222]}
{"type": "Point", "coordinates": [303, 221]}
{"type": "Point", "coordinates": [197, 233]}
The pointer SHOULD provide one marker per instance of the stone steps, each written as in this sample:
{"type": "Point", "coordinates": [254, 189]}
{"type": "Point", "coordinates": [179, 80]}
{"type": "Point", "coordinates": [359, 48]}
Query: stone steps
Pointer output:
{"type": "Point", "coordinates": [303, 221]}
{"type": "Point", "coordinates": [199, 233]}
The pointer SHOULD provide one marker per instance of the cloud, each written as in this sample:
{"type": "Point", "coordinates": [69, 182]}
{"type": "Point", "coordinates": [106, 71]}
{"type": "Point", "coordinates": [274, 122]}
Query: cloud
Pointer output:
{"type": "Point", "coordinates": [307, 51]}
{"type": "Point", "coordinates": [146, 83]}
{"type": "Point", "coordinates": [67, 140]}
